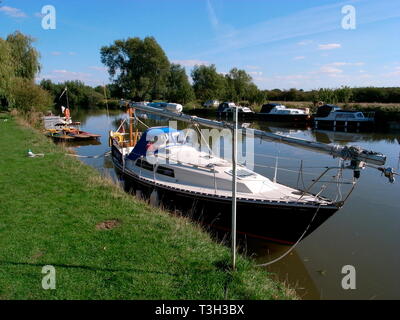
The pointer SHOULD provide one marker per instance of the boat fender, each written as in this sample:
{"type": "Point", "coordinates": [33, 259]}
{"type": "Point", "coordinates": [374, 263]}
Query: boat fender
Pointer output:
{"type": "Point", "coordinates": [154, 199]}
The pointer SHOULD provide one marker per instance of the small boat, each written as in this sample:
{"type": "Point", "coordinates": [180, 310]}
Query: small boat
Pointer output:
{"type": "Point", "coordinates": [63, 128]}
{"type": "Point", "coordinates": [279, 112]}
{"type": "Point", "coordinates": [70, 133]}
{"type": "Point", "coordinates": [333, 116]}
{"type": "Point", "coordinates": [227, 109]}
{"type": "Point", "coordinates": [172, 107]}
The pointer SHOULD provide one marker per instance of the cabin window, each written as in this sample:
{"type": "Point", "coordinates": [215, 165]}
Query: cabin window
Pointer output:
{"type": "Point", "coordinates": [242, 173]}
{"type": "Point", "coordinates": [166, 171]}
{"type": "Point", "coordinates": [144, 164]}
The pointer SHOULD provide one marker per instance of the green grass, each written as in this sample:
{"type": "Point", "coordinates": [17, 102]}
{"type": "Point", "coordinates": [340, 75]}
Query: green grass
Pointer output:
{"type": "Point", "coordinates": [49, 209]}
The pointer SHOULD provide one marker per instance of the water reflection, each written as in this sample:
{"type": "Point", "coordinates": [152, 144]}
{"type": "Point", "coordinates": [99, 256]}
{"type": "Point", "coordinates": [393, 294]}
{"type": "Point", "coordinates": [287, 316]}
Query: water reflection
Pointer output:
{"type": "Point", "coordinates": [365, 233]}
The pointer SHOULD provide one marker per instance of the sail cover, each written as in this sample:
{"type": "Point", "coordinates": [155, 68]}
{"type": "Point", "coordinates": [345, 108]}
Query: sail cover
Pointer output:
{"type": "Point", "coordinates": [151, 137]}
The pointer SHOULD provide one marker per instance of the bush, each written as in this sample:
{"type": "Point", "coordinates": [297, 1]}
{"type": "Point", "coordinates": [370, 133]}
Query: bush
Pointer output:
{"type": "Point", "coordinates": [27, 96]}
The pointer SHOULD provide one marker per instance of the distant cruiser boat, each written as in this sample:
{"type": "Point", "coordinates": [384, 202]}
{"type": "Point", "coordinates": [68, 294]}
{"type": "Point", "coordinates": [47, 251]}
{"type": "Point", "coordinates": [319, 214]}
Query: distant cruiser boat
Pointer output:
{"type": "Point", "coordinates": [279, 112]}
{"type": "Point", "coordinates": [227, 109]}
{"type": "Point", "coordinates": [172, 107]}
{"type": "Point", "coordinates": [333, 116]}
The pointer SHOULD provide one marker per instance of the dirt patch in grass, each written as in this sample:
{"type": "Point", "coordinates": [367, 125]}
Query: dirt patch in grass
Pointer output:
{"type": "Point", "coordinates": [108, 224]}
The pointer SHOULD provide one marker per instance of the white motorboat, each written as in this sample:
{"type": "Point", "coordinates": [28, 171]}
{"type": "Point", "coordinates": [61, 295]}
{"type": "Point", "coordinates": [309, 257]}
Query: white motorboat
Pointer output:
{"type": "Point", "coordinates": [172, 107]}
{"type": "Point", "coordinates": [333, 116]}
{"type": "Point", "coordinates": [279, 112]}
{"type": "Point", "coordinates": [229, 108]}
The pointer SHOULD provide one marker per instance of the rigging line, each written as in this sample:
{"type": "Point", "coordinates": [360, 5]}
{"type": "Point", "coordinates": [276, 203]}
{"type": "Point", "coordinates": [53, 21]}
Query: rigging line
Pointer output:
{"type": "Point", "coordinates": [137, 118]}
{"type": "Point", "coordinates": [294, 246]}
{"type": "Point", "coordinates": [276, 162]}
{"type": "Point", "coordinates": [108, 112]}
{"type": "Point", "coordinates": [282, 169]}
{"type": "Point", "coordinates": [204, 139]}
{"type": "Point", "coordinates": [122, 123]}
{"type": "Point", "coordinates": [91, 157]}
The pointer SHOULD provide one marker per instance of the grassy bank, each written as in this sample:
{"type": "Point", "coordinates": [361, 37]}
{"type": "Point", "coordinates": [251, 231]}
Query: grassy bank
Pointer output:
{"type": "Point", "coordinates": [51, 210]}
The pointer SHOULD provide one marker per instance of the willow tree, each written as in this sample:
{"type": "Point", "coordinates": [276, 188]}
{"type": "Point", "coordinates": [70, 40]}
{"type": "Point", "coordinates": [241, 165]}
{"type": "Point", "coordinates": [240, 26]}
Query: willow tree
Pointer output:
{"type": "Point", "coordinates": [24, 57]}
{"type": "Point", "coordinates": [6, 72]}
{"type": "Point", "coordinates": [139, 67]}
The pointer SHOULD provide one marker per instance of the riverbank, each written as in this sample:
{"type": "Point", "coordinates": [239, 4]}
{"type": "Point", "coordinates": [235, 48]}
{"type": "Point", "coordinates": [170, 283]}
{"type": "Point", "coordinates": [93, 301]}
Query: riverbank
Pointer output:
{"type": "Point", "coordinates": [56, 211]}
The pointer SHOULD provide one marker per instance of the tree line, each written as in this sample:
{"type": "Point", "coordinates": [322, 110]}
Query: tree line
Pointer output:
{"type": "Point", "coordinates": [140, 70]}
{"type": "Point", "coordinates": [339, 95]}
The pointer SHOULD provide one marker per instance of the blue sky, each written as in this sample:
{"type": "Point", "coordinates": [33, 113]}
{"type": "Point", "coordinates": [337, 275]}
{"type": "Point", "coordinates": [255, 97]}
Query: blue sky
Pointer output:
{"type": "Point", "coordinates": [281, 43]}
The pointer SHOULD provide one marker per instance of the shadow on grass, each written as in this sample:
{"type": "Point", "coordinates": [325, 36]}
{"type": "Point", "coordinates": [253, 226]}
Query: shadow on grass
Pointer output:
{"type": "Point", "coordinates": [88, 268]}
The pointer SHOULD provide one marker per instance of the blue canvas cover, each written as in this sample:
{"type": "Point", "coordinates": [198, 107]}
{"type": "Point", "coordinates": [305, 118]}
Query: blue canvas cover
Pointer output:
{"type": "Point", "coordinates": [140, 149]}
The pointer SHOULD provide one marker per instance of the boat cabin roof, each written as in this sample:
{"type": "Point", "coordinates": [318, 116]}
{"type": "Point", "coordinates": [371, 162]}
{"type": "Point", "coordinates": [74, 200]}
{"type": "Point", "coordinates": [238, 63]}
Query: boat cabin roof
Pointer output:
{"type": "Point", "coordinates": [152, 136]}
{"type": "Point", "coordinates": [267, 108]}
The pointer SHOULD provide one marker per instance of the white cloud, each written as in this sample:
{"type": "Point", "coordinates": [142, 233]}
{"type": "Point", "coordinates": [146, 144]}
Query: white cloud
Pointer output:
{"type": "Point", "coordinates": [330, 70]}
{"type": "Point", "coordinates": [304, 43]}
{"type": "Point", "coordinates": [39, 15]}
{"type": "Point", "coordinates": [292, 77]}
{"type": "Point", "coordinates": [211, 15]}
{"type": "Point", "coordinates": [13, 12]}
{"type": "Point", "coordinates": [299, 58]}
{"type": "Point", "coordinates": [394, 73]}
{"type": "Point", "coordinates": [56, 53]}
{"type": "Point", "coordinates": [102, 69]}
{"type": "Point", "coordinates": [330, 46]}
{"type": "Point", "coordinates": [191, 63]}
{"type": "Point", "coordinates": [341, 64]}
{"type": "Point", "coordinates": [255, 73]}
{"type": "Point", "coordinates": [62, 75]}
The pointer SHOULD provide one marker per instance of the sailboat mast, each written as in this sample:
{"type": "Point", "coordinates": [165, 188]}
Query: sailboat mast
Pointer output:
{"type": "Point", "coordinates": [234, 187]}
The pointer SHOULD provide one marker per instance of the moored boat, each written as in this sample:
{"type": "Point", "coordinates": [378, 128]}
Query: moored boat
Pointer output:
{"type": "Point", "coordinates": [333, 116]}
{"type": "Point", "coordinates": [164, 165]}
{"type": "Point", "coordinates": [180, 174]}
{"type": "Point", "coordinates": [280, 113]}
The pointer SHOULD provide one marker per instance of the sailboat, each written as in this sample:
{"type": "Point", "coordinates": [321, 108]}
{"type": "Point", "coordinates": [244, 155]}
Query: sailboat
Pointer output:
{"type": "Point", "coordinates": [161, 164]}
{"type": "Point", "coordinates": [63, 128]}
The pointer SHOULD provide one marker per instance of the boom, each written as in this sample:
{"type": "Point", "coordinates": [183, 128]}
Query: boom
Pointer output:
{"type": "Point", "coordinates": [352, 153]}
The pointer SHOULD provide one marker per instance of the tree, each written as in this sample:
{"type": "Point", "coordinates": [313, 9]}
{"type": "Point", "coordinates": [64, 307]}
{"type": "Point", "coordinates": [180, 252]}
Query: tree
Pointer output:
{"type": "Point", "coordinates": [139, 67]}
{"type": "Point", "coordinates": [344, 94]}
{"type": "Point", "coordinates": [6, 73]}
{"type": "Point", "coordinates": [79, 94]}
{"type": "Point", "coordinates": [326, 96]}
{"type": "Point", "coordinates": [238, 85]}
{"type": "Point", "coordinates": [255, 95]}
{"type": "Point", "coordinates": [30, 97]}
{"type": "Point", "coordinates": [208, 84]}
{"type": "Point", "coordinates": [179, 88]}
{"type": "Point", "coordinates": [24, 57]}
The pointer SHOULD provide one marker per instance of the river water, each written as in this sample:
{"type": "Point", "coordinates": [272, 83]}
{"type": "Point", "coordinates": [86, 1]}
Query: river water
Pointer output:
{"type": "Point", "coordinates": [365, 233]}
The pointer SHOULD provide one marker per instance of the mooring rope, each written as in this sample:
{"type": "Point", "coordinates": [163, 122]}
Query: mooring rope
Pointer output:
{"type": "Point", "coordinates": [294, 246]}
{"type": "Point", "coordinates": [91, 157]}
